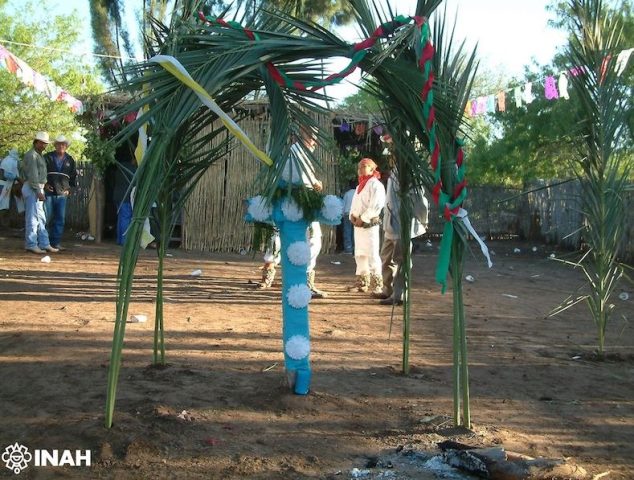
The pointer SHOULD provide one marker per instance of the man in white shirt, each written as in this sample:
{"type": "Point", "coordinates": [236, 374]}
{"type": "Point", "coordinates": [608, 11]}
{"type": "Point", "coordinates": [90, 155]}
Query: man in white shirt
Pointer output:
{"type": "Point", "coordinates": [365, 214]}
{"type": "Point", "coordinates": [299, 170]}
{"type": "Point", "coordinates": [392, 249]}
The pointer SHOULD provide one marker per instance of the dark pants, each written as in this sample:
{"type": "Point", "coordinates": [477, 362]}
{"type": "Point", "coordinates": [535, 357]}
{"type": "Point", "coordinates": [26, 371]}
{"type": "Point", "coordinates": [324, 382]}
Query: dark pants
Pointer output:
{"type": "Point", "coordinates": [348, 235]}
{"type": "Point", "coordinates": [124, 217]}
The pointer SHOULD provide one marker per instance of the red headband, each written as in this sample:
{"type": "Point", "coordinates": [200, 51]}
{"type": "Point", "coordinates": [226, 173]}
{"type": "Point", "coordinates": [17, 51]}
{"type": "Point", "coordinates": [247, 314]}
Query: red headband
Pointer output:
{"type": "Point", "coordinates": [369, 162]}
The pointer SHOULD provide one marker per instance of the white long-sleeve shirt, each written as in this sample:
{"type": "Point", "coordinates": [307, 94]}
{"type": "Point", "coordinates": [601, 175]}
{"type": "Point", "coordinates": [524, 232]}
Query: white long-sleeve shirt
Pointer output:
{"type": "Point", "coordinates": [298, 168]}
{"type": "Point", "coordinates": [369, 203]}
{"type": "Point", "coordinates": [391, 215]}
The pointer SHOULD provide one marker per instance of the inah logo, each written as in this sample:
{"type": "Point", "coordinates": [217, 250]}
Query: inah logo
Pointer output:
{"type": "Point", "coordinates": [16, 457]}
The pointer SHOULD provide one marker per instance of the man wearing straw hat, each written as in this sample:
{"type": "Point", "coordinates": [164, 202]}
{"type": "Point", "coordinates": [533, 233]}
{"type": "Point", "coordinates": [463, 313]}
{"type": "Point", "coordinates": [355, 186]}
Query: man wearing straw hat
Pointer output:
{"type": "Point", "coordinates": [34, 174]}
{"type": "Point", "coordinates": [61, 176]}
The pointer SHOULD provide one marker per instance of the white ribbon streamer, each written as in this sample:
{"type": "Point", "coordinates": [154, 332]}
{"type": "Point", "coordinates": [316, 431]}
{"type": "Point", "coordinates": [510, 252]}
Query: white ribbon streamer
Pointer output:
{"type": "Point", "coordinates": [462, 215]}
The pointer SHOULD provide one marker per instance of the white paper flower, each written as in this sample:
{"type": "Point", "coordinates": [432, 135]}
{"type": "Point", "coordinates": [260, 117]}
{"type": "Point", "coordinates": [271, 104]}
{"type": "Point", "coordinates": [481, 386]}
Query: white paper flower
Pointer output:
{"type": "Point", "coordinates": [298, 253]}
{"type": "Point", "coordinates": [259, 210]}
{"type": "Point", "coordinates": [297, 347]}
{"type": "Point", "coordinates": [291, 210]}
{"type": "Point", "coordinates": [332, 209]}
{"type": "Point", "coordinates": [298, 296]}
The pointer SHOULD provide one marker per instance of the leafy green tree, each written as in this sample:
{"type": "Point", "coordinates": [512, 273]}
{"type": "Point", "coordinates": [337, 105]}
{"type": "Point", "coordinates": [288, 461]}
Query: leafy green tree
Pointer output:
{"type": "Point", "coordinates": [42, 42]}
{"type": "Point", "coordinates": [108, 33]}
{"type": "Point", "coordinates": [536, 141]}
{"type": "Point", "coordinates": [327, 12]}
{"type": "Point", "coordinates": [526, 143]}
{"type": "Point", "coordinates": [362, 102]}
{"type": "Point", "coordinates": [111, 33]}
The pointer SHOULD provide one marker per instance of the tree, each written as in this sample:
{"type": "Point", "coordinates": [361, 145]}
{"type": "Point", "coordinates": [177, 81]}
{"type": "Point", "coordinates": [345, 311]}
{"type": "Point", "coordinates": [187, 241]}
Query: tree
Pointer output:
{"type": "Point", "coordinates": [536, 141]}
{"type": "Point", "coordinates": [363, 102]}
{"type": "Point", "coordinates": [526, 143]}
{"type": "Point", "coordinates": [603, 166]}
{"type": "Point", "coordinates": [108, 33]}
{"type": "Point", "coordinates": [111, 33]}
{"type": "Point", "coordinates": [42, 42]}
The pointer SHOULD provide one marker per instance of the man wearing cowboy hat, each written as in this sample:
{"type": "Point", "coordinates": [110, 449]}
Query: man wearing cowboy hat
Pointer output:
{"type": "Point", "coordinates": [34, 174]}
{"type": "Point", "coordinates": [62, 175]}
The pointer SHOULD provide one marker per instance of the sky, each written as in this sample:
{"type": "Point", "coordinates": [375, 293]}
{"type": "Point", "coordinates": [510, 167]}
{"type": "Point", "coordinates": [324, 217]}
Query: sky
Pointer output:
{"type": "Point", "coordinates": [510, 33]}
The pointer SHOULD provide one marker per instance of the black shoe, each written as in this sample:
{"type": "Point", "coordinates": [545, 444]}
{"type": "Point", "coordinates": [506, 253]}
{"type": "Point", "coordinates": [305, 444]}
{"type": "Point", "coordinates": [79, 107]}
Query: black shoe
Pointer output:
{"type": "Point", "coordinates": [390, 301]}
{"type": "Point", "coordinates": [314, 293]}
{"type": "Point", "coordinates": [381, 295]}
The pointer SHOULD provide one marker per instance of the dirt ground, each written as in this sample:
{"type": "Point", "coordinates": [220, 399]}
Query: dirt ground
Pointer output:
{"type": "Point", "coordinates": [536, 388]}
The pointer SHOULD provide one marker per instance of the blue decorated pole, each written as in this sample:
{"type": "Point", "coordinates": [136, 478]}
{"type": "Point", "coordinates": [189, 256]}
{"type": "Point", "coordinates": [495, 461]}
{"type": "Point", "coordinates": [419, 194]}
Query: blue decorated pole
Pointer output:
{"type": "Point", "coordinates": [295, 299]}
{"type": "Point", "coordinates": [290, 220]}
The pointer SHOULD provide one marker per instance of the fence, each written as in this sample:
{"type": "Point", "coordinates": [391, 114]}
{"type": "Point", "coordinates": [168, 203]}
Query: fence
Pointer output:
{"type": "Point", "coordinates": [212, 219]}
{"type": "Point", "coordinates": [213, 214]}
{"type": "Point", "coordinates": [77, 203]}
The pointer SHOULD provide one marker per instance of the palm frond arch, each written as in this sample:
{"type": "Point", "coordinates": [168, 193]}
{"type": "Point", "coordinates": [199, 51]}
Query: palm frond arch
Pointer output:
{"type": "Point", "coordinates": [284, 56]}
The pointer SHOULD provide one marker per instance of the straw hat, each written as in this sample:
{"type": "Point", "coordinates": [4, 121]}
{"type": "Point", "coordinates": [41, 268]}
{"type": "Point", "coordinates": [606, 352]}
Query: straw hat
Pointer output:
{"type": "Point", "coordinates": [62, 139]}
{"type": "Point", "coordinates": [42, 137]}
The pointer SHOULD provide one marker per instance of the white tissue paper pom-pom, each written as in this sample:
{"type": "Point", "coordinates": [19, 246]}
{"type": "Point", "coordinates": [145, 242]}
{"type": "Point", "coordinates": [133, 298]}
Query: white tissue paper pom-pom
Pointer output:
{"type": "Point", "coordinates": [291, 210]}
{"type": "Point", "coordinates": [297, 347]}
{"type": "Point", "coordinates": [298, 296]}
{"type": "Point", "coordinates": [332, 208]}
{"type": "Point", "coordinates": [299, 253]}
{"type": "Point", "coordinates": [259, 210]}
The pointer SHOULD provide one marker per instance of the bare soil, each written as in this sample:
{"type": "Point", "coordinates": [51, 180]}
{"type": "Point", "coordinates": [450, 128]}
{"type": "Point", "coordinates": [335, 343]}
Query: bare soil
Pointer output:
{"type": "Point", "coordinates": [221, 408]}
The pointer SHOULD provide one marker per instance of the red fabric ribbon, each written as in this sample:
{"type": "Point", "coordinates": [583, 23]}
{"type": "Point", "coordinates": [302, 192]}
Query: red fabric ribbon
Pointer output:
{"type": "Point", "coordinates": [363, 179]}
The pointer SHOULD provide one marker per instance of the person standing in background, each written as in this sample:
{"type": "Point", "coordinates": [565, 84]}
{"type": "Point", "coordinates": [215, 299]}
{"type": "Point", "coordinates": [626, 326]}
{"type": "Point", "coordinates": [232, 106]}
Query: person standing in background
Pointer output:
{"type": "Point", "coordinates": [10, 182]}
{"type": "Point", "coordinates": [299, 170]}
{"type": "Point", "coordinates": [34, 174]}
{"type": "Point", "coordinates": [62, 175]}
{"type": "Point", "coordinates": [126, 169]}
{"type": "Point", "coordinates": [392, 249]}
{"type": "Point", "coordinates": [348, 232]}
{"type": "Point", "coordinates": [365, 215]}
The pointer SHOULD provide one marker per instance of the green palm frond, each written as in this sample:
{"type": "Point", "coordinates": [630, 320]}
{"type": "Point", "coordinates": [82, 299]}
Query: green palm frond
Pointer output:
{"type": "Point", "coordinates": [602, 128]}
{"type": "Point", "coordinates": [231, 67]}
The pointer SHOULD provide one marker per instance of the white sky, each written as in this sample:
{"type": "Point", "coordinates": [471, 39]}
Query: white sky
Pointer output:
{"type": "Point", "coordinates": [509, 33]}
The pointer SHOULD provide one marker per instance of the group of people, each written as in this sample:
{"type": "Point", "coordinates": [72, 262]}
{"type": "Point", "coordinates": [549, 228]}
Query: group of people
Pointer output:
{"type": "Point", "coordinates": [366, 208]}
{"type": "Point", "coordinates": [41, 184]}
{"type": "Point", "coordinates": [379, 267]}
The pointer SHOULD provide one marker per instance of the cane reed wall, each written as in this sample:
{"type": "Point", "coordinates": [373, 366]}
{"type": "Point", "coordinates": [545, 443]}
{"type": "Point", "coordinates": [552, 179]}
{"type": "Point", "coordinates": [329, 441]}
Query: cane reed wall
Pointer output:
{"type": "Point", "coordinates": [212, 220]}
{"type": "Point", "coordinates": [213, 216]}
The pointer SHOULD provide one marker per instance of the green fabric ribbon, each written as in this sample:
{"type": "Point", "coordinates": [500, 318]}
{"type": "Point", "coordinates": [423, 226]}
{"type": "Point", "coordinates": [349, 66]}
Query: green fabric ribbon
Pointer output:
{"type": "Point", "coordinates": [444, 256]}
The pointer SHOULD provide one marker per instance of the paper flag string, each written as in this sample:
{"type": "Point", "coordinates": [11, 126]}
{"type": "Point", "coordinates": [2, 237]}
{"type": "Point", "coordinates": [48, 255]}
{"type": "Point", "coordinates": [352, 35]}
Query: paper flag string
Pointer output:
{"type": "Point", "coordinates": [555, 87]}
{"type": "Point", "coordinates": [550, 90]}
{"type": "Point", "coordinates": [37, 81]}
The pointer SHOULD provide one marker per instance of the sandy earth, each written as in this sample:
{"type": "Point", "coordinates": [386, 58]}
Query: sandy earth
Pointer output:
{"type": "Point", "coordinates": [535, 387]}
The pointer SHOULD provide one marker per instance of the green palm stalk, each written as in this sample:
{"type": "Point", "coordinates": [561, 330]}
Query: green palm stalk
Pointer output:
{"type": "Point", "coordinates": [456, 70]}
{"type": "Point", "coordinates": [274, 53]}
{"type": "Point", "coordinates": [605, 171]}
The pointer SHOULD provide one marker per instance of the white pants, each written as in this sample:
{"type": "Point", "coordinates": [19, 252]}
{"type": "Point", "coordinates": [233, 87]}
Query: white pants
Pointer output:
{"type": "Point", "coordinates": [367, 253]}
{"type": "Point", "coordinates": [273, 248]}
{"type": "Point", "coordinates": [313, 236]}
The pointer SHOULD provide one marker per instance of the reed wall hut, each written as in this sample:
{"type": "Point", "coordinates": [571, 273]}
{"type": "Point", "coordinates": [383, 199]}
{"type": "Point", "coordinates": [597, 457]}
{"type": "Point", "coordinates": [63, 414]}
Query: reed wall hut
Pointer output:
{"type": "Point", "coordinates": [213, 217]}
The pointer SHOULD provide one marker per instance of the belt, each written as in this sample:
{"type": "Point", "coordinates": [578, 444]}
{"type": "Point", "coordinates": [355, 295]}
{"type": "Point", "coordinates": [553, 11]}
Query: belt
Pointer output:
{"type": "Point", "coordinates": [372, 223]}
